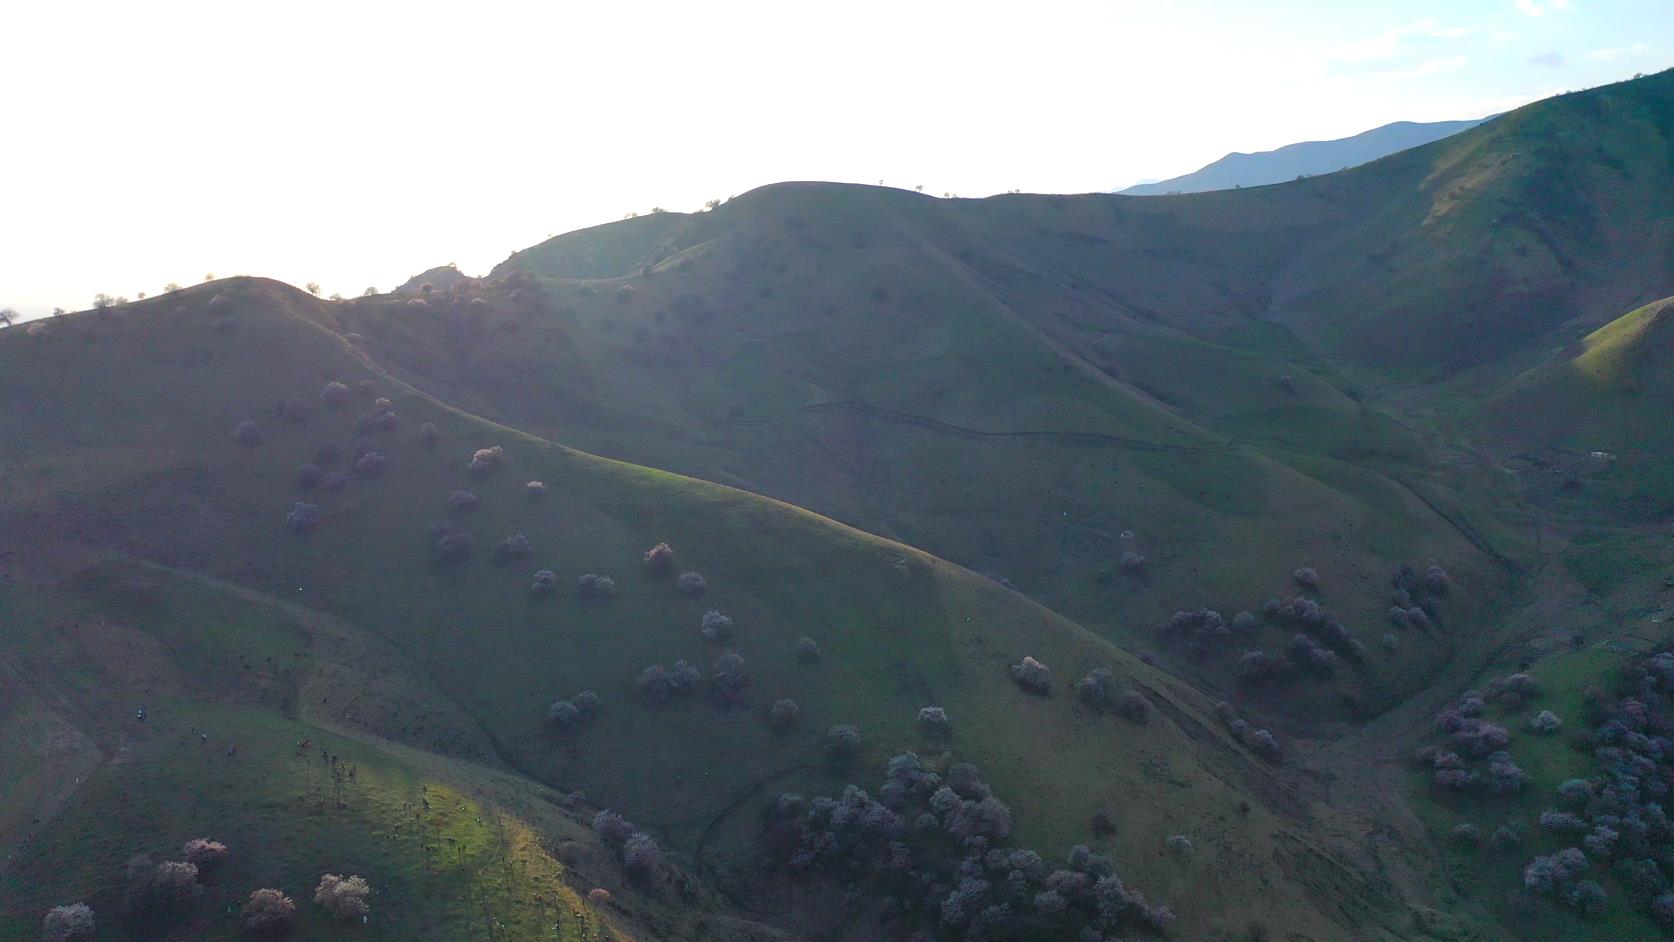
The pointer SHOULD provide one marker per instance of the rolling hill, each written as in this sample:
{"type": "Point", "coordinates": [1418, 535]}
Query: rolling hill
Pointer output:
{"type": "Point", "coordinates": [149, 566]}
{"type": "Point", "coordinates": [369, 586]}
{"type": "Point", "coordinates": [1305, 159]}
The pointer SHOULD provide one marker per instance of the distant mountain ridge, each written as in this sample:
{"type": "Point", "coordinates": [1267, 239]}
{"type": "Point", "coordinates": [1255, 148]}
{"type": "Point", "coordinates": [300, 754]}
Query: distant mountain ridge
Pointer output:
{"type": "Point", "coordinates": [1305, 158]}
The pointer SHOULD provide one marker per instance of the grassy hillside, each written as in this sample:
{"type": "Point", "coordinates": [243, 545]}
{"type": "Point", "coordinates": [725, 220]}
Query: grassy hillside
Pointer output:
{"type": "Point", "coordinates": [1586, 425]}
{"type": "Point", "coordinates": [887, 360]}
{"type": "Point", "coordinates": [1471, 249]}
{"type": "Point", "coordinates": [158, 478]}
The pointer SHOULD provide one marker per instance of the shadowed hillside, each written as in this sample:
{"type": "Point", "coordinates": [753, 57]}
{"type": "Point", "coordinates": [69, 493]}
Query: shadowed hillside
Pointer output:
{"type": "Point", "coordinates": [179, 486]}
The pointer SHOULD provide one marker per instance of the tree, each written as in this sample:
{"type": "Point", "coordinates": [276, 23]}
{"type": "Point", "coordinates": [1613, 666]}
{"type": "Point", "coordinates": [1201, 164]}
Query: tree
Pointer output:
{"type": "Point", "coordinates": [593, 586]}
{"type": "Point", "coordinates": [370, 292]}
{"type": "Point", "coordinates": [545, 583]}
{"type": "Point", "coordinates": [247, 433]}
{"type": "Point", "coordinates": [158, 893]}
{"type": "Point", "coordinates": [692, 583]}
{"type": "Point", "coordinates": [1095, 690]}
{"type": "Point", "coordinates": [612, 828]}
{"type": "Point", "coordinates": [933, 719]}
{"type": "Point", "coordinates": [67, 923]}
{"type": "Point", "coordinates": [641, 855]}
{"type": "Point", "coordinates": [716, 626]}
{"type": "Point", "coordinates": [807, 651]}
{"type": "Point", "coordinates": [1032, 676]}
{"type": "Point", "coordinates": [269, 911]}
{"type": "Point", "coordinates": [102, 301]}
{"type": "Point", "coordinates": [842, 742]}
{"type": "Point", "coordinates": [8, 316]}
{"type": "Point", "coordinates": [784, 714]}
{"type": "Point", "coordinates": [485, 461]}
{"type": "Point", "coordinates": [659, 558]}
{"type": "Point", "coordinates": [343, 897]}
{"type": "Point", "coordinates": [314, 288]}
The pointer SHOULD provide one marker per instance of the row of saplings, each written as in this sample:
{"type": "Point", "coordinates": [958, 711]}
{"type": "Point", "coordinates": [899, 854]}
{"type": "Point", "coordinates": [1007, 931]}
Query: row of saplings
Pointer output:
{"type": "Point", "coordinates": [161, 894]}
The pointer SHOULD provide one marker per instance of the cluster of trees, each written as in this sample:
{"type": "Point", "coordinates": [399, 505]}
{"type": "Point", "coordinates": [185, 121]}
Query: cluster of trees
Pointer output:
{"type": "Point", "coordinates": [1413, 596]}
{"type": "Point", "coordinates": [715, 626]}
{"type": "Point", "coordinates": [641, 856]}
{"type": "Point", "coordinates": [1316, 621]}
{"type": "Point", "coordinates": [1617, 815]}
{"type": "Point", "coordinates": [1470, 737]}
{"type": "Point", "coordinates": [1262, 742]}
{"type": "Point", "coordinates": [158, 896]}
{"type": "Point", "coordinates": [1199, 629]}
{"type": "Point", "coordinates": [937, 848]}
{"type": "Point", "coordinates": [572, 713]}
{"type": "Point", "coordinates": [659, 684]}
{"type": "Point", "coordinates": [1097, 691]}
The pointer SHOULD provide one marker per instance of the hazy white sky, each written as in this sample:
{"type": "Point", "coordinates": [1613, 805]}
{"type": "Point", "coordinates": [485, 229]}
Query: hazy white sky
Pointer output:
{"type": "Point", "coordinates": [355, 143]}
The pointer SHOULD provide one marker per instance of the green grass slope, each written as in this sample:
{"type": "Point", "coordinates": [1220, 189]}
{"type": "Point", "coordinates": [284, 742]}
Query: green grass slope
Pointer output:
{"type": "Point", "coordinates": [1587, 426]}
{"type": "Point", "coordinates": [120, 443]}
{"type": "Point", "coordinates": [1553, 217]}
{"type": "Point", "coordinates": [863, 353]}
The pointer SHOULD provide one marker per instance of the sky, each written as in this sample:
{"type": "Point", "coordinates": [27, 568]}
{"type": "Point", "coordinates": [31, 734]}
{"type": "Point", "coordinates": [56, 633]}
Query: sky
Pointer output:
{"type": "Point", "coordinates": [354, 144]}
